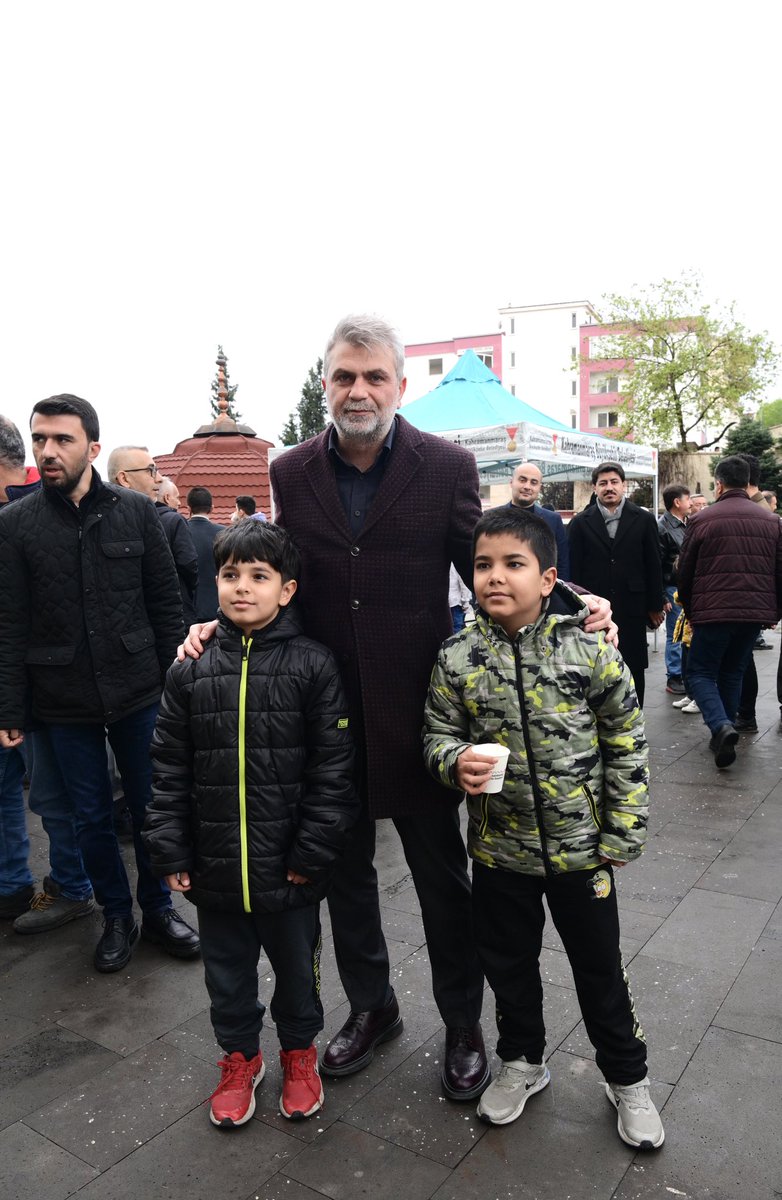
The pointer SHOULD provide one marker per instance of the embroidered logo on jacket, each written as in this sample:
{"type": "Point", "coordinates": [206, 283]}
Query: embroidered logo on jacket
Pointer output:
{"type": "Point", "coordinates": [342, 723]}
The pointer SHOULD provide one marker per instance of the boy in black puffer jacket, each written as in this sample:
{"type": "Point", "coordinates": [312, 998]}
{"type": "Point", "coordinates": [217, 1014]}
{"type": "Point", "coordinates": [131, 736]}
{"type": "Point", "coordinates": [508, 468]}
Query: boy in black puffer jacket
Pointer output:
{"type": "Point", "coordinates": [252, 799]}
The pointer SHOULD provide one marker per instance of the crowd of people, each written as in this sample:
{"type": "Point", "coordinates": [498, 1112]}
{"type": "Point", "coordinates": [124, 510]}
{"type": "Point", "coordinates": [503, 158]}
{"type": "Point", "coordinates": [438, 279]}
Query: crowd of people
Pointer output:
{"type": "Point", "coordinates": [258, 752]}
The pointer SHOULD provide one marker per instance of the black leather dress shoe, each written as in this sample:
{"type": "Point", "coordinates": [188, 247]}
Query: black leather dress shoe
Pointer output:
{"type": "Point", "coordinates": [723, 744]}
{"type": "Point", "coordinates": [466, 1071]}
{"type": "Point", "coordinates": [169, 930]}
{"type": "Point", "coordinates": [353, 1048]}
{"type": "Point", "coordinates": [115, 947]}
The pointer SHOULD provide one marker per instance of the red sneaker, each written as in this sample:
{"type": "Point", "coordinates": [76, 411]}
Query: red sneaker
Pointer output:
{"type": "Point", "coordinates": [233, 1102]}
{"type": "Point", "coordinates": [302, 1090]}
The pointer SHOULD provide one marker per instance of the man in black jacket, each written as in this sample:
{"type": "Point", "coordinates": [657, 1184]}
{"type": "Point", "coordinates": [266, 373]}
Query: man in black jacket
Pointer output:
{"type": "Point", "coordinates": [132, 467]}
{"type": "Point", "coordinates": [615, 552]}
{"type": "Point", "coordinates": [203, 532]}
{"type": "Point", "coordinates": [90, 616]}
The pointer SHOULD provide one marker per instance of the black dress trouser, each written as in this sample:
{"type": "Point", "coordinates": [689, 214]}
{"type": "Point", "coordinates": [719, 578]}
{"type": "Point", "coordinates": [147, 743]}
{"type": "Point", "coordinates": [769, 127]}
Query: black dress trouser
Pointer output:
{"type": "Point", "coordinates": [231, 945]}
{"type": "Point", "coordinates": [435, 853]}
{"type": "Point", "coordinates": [509, 920]}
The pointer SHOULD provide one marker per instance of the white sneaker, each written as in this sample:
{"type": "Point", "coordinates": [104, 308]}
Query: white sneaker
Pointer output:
{"type": "Point", "coordinates": [692, 707]}
{"type": "Point", "coordinates": [638, 1121]}
{"type": "Point", "coordinates": [504, 1099]}
{"type": "Point", "coordinates": [682, 702]}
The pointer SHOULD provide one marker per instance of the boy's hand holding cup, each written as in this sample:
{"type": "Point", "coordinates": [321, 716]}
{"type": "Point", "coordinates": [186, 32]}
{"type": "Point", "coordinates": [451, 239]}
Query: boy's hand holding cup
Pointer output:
{"type": "Point", "coordinates": [482, 768]}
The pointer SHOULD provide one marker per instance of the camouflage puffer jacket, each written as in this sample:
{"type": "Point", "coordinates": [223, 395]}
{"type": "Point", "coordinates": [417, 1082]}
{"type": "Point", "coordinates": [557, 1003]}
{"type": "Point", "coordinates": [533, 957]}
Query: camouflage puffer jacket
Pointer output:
{"type": "Point", "coordinates": [562, 700]}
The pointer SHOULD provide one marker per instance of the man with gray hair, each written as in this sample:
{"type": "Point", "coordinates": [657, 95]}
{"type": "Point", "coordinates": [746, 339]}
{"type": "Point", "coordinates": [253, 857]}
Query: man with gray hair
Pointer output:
{"type": "Point", "coordinates": [168, 493]}
{"type": "Point", "coordinates": [379, 511]}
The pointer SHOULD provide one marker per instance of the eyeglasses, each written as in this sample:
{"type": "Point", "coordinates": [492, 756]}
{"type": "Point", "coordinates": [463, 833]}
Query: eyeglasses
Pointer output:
{"type": "Point", "coordinates": [152, 468]}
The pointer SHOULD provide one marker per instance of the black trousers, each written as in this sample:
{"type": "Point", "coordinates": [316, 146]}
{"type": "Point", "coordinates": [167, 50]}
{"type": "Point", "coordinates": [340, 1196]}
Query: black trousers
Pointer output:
{"type": "Point", "coordinates": [435, 853]}
{"type": "Point", "coordinates": [749, 690]}
{"type": "Point", "coordinates": [509, 920]}
{"type": "Point", "coordinates": [231, 945]}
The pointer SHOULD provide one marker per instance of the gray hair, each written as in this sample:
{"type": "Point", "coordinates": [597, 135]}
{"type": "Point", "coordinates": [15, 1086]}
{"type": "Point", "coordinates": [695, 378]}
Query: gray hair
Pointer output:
{"type": "Point", "coordinates": [166, 487]}
{"type": "Point", "coordinates": [116, 461]}
{"type": "Point", "coordinates": [367, 331]}
{"type": "Point", "coordinates": [11, 444]}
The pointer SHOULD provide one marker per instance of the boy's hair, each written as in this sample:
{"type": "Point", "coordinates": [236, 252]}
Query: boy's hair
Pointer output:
{"type": "Point", "coordinates": [258, 541]}
{"type": "Point", "coordinates": [246, 504]}
{"type": "Point", "coordinates": [604, 468]}
{"type": "Point", "coordinates": [673, 492]}
{"type": "Point", "coordinates": [70, 406]}
{"type": "Point", "coordinates": [524, 526]}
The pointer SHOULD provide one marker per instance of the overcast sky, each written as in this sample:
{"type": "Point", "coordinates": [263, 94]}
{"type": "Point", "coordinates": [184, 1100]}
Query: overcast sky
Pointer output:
{"type": "Point", "coordinates": [182, 174]}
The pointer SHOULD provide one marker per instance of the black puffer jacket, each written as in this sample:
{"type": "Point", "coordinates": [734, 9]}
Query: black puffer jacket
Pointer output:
{"type": "Point", "coordinates": [90, 614]}
{"type": "Point", "coordinates": [253, 764]}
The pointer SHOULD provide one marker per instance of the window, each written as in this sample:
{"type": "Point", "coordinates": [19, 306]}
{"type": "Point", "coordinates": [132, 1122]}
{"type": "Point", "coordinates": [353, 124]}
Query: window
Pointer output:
{"type": "Point", "coordinates": [607, 420]}
{"type": "Point", "coordinates": [487, 360]}
{"type": "Point", "coordinates": [513, 324]}
{"type": "Point", "coordinates": [435, 366]}
{"type": "Point", "coordinates": [573, 421]}
{"type": "Point", "coordinates": [573, 388]}
{"type": "Point", "coordinates": [573, 320]}
{"type": "Point", "coordinates": [513, 389]}
{"type": "Point", "coordinates": [573, 353]}
{"type": "Point", "coordinates": [602, 384]}
{"type": "Point", "coordinates": [513, 358]}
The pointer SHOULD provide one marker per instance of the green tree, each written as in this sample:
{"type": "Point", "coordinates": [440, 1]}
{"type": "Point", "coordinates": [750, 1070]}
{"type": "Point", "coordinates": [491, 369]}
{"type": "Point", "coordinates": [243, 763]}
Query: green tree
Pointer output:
{"type": "Point", "coordinates": [688, 363]}
{"type": "Point", "coordinates": [750, 437]}
{"type": "Point", "coordinates": [232, 389]}
{"type": "Point", "coordinates": [309, 416]}
{"type": "Point", "coordinates": [770, 413]}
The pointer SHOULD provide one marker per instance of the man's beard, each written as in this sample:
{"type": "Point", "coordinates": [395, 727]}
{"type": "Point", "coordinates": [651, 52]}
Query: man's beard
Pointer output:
{"type": "Point", "coordinates": [67, 481]}
{"type": "Point", "coordinates": [363, 435]}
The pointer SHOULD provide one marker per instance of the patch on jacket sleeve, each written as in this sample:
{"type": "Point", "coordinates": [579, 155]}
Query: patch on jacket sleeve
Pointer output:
{"type": "Point", "coordinates": [342, 723]}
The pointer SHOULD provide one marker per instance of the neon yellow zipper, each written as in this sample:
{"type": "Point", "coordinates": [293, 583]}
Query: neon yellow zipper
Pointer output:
{"type": "Point", "coordinates": [242, 776]}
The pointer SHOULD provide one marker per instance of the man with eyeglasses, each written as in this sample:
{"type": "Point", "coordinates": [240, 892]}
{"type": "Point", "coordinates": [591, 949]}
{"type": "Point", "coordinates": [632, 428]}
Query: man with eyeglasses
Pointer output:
{"type": "Point", "coordinates": [90, 617]}
{"type": "Point", "coordinates": [133, 467]}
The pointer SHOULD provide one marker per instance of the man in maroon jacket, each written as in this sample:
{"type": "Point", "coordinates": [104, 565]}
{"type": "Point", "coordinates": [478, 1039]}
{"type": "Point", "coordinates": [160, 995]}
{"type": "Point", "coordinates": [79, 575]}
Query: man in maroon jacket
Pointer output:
{"type": "Point", "coordinates": [379, 510]}
{"type": "Point", "coordinates": [730, 586]}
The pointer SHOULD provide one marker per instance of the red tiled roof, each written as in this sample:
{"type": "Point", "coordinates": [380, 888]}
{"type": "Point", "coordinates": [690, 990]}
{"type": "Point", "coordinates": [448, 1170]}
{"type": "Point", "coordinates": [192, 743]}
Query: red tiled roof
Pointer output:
{"type": "Point", "coordinates": [229, 464]}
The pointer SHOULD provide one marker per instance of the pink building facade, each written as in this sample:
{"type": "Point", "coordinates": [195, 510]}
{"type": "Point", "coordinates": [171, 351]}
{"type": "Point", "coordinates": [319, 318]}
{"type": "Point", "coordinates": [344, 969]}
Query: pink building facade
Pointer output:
{"type": "Point", "coordinates": [600, 395]}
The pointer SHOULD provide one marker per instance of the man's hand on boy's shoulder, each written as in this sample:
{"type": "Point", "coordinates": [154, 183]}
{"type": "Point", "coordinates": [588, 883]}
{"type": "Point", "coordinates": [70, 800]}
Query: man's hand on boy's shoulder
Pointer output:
{"type": "Point", "coordinates": [600, 619]}
{"type": "Point", "coordinates": [197, 637]}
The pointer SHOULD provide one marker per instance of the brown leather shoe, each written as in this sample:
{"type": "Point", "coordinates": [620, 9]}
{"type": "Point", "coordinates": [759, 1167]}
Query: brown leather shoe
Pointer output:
{"type": "Point", "coordinates": [353, 1048]}
{"type": "Point", "coordinates": [466, 1072]}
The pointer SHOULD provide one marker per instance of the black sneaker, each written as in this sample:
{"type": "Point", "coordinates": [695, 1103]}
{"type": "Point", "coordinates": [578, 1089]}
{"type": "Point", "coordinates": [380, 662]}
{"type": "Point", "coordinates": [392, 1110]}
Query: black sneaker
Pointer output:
{"type": "Point", "coordinates": [675, 686]}
{"type": "Point", "coordinates": [745, 725]}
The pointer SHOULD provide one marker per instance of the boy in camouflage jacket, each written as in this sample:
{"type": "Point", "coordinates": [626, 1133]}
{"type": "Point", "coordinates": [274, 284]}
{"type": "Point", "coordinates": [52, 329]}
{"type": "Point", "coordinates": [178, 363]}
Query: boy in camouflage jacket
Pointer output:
{"type": "Point", "coordinates": [573, 806]}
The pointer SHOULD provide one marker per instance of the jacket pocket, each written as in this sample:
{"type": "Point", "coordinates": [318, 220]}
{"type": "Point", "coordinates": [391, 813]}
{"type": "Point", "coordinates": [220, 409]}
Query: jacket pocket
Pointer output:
{"type": "Point", "coordinates": [592, 805]}
{"type": "Point", "coordinates": [130, 548]}
{"type": "Point", "coordinates": [138, 639]}
{"type": "Point", "coordinates": [50, 656]}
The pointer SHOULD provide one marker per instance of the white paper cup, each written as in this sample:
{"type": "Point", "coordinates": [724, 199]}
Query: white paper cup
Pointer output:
{"type": "Point", "coordinates": [501, 753]}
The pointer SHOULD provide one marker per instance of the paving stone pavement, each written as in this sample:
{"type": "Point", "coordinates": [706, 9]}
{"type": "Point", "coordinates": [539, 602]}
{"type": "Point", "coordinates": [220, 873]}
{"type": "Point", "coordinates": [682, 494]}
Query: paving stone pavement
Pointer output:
{"type": "Point", "coordinates": [103, 1079]}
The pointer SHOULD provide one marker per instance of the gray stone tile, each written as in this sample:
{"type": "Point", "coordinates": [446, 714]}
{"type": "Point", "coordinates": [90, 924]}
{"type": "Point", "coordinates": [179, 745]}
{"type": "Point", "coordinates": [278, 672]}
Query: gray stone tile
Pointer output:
{"type": "Point", "coordinates": [282, 1187]}
{"type": "Point", "coordinates": [675, 1005]}
{"type": "Point", "coordinates": [192, 1160]}
{"type": "Point", "coordinates": [710, 929]}
{"type": "Point", "coordinates": [158, 1000]}
{"type": "Point", "coordinates": [656, 882]}
{"type": "Point", "coordinates": [753, 1004]}
{"type": "Point", "coordinates": [196, 1037]}
{"type": "Point", "coordinates": [33, 1167]}
{"type": "Point", "coordinates": [125, 1107]}
{"type": "Point", "coordinates": [350, 1164]}
{"type": "Point", "coordinates": [565, 1144]}
{"type": "Point", "coordinates": [722, 1126]}
{"type": "Point", "coordinates": [404, 898]}
{"type": "Point", "coordinates": [750, 865]}
{"type": "Point", "coordinates": [344, 1094]}
{"type": "Point", "coordinates": [17, 1029]}
{"type": "Point", "coordinates": [693, 841]}
{"type": "Point", "coordinates": [43, 1066]}
{"type": "Point", "coordinates": [412, 980]}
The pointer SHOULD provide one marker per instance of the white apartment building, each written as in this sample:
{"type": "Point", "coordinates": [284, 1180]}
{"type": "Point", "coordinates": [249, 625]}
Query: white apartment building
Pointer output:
{"type": "Point", "coordinates": [540, 354]}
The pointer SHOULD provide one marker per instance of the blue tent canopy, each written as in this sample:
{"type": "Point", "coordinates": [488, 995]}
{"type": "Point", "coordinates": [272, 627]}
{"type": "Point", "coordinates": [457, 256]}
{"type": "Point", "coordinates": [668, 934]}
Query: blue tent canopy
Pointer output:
{"type": "Point", "coordinates": [471, 396]}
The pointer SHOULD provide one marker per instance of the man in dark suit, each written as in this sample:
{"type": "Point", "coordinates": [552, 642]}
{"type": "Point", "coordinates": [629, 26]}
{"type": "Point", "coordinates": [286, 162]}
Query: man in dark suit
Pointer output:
{"type": "Point", "coordinates": [379, 511]}
{"type": "Point", "coordinates": [203, 532]}
{"type": "Point", "coordinates": [615, 552]}
{"type": "Point", "coordinates": [525, 486]}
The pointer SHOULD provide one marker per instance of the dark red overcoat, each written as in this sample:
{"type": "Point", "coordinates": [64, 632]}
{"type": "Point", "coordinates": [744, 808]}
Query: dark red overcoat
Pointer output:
{"type": "Point", "coordinates": [379, 601]}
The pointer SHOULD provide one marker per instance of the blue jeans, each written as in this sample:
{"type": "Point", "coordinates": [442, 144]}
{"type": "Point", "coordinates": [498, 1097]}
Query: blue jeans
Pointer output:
{"type": "Point", "coordinates": [673, 650]}
{"type": "Point", "coordinates": [81, 754]}
{"type": "Point", "coordinates": [716, 663]}
{"type": "Point", "coordinates": [14, 842]}
{"type": "Point", "coordinates": [50, 801]}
